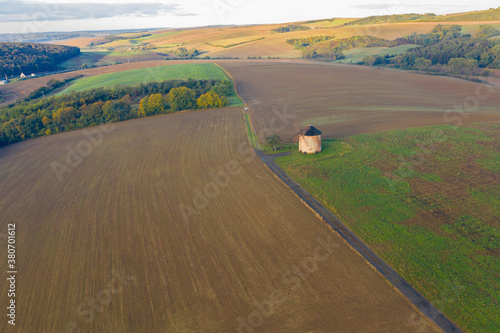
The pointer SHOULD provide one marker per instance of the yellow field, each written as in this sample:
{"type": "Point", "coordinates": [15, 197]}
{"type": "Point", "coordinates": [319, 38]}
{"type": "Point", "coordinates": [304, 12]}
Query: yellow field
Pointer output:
{"type": "Point", "coordinates": [274, 44]}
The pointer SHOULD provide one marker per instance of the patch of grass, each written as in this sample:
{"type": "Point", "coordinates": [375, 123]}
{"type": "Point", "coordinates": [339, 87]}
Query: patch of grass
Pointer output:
{"type": "Point", "coordinates": [492, 164]}
{"type": "Point", "coordinates": [427, 203]}
{"type": "Point", "coordinates": [432, 178]}
{"type": "Point", "coordinates": [254, 141]}
{"type": "Point", "coordinates": [358, 54]}
{"type": "Point", "coordinates": [154, 74]}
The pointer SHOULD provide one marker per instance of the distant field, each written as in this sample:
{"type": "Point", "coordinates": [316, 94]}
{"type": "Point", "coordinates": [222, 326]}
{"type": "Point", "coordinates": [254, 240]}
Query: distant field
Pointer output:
{"type": "Point", "coordinates": [328, 23]}
{"type": "Point", "coordinates": [155, 74]}
{"type": "Point", "coordinates": [22, 89]}
{"type": "Point", "coordinates": [100, 58]}
{"type": "Point", "coordinates": [427, 201]}
{"type": "Point", "coordinates": [273, 44]}
{"type": "Point", "coordinates": [118, 211]}
{"type": "Point", "coordinates": [348, 100]}
{"type": "Point", "coordinates": [357, 55]}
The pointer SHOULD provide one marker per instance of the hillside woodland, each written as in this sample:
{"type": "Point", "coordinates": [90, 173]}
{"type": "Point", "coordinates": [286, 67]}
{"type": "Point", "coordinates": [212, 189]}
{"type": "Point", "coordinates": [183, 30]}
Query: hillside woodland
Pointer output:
{"type": "Point", "coordinates": [17, 58]}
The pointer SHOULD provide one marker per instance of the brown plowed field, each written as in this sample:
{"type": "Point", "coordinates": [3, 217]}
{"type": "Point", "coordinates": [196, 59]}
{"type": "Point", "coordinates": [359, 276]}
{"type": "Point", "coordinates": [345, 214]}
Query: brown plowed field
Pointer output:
{"type": "Point", "coordinates": [117, 211]}
{"type": "Point", "coordinates": [343, 100]}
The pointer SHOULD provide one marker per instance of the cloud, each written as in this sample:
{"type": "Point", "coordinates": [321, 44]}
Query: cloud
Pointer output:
{"type": "Point", "coordinates": [22, 11]}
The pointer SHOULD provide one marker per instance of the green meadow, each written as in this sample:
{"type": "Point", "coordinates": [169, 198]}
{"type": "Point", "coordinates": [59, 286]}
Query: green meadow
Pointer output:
{"type": "Point", "coordinates": [427, 200]}
{"type": "Point", "coordinates": [153, 74]}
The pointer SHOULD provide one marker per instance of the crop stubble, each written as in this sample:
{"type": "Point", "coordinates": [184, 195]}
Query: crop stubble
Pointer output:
{"type": "Point", "coordinates": [119, 210]}
{"type": "Point", "coordinates": [345, 100]}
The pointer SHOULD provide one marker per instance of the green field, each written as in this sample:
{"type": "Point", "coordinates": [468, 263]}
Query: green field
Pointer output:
{"type": "Point", "coordinates": [358, 54]}
{"type": "Point", "coordinates": [153, 74]}
{"type": "Point", "coordinates": [427, 201]}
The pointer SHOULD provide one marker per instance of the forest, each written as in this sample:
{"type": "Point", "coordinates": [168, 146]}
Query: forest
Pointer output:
{"type": "Point", "coordinates": [446, 49]}
{"type": "Point", "coordinates": [29, 119]}
{"type": "Point", "coordinates": [17, 58]}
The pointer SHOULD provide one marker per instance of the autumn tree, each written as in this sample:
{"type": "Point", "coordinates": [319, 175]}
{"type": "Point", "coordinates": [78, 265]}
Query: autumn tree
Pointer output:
{"type": "Point", "coordinates": [45, 120]}
{"type": "Point", "coordinates": [182, 98]}
{"type": "Point", "coordinates": [152, 104]}
{"type": "Point", "coordinates": [211, 100]}
{"type": "Point", "coordinates": [66, 117]}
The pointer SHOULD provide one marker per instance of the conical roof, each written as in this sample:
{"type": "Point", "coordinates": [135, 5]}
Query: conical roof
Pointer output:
{"type": "Point", "coordinates": [312, 131]}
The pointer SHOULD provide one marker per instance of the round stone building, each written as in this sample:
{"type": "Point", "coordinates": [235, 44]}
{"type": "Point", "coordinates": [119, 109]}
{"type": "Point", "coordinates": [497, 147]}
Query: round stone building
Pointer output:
{"type": "Point", "coordinates": [310, 140]}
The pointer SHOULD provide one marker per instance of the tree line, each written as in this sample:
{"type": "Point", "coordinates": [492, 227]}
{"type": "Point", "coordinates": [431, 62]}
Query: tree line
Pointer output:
{"type": "Point", "coordinates": [17, 58]}
{"type": "Point", "coordinates": [29, 119]}
{"type": "Point", "coordinates": [333, 49]}
{"type": "Point", "coordinates": [302, 43]}
{"type": "Point", "coordinates": [491, 14]}
{"type": "Point", "coordinates": [290, 28]}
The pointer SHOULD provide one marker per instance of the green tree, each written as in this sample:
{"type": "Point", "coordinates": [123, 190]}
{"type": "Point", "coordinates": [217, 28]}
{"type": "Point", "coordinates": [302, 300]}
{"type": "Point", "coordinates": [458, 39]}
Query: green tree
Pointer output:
{"type": "Point", "coordinates": [222, 89]}
{"type": "Point", "coordinates": [422, 63]}
{"type": "Point", "coordinates": [116, 110]}
{"type": "Point", "coordinates": [182, 98]}
{"type": "Point", "coordinates": [462, 65]}
{"type": "Point", "coordinates": [274, 141]}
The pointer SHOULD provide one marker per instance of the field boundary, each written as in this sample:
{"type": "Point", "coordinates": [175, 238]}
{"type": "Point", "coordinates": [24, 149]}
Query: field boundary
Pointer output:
{"type": "Point", "coordinates": [403, 286]}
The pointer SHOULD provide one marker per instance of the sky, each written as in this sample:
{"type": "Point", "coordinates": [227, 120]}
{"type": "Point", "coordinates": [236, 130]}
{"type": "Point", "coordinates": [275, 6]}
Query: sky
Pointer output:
{"type": "Point", "coordinates": [28, 16]}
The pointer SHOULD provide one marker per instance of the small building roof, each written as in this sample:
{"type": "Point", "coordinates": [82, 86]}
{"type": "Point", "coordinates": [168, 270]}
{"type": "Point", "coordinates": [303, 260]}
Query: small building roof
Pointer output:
{"type": "Point", "coordinates": [312, 131]}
